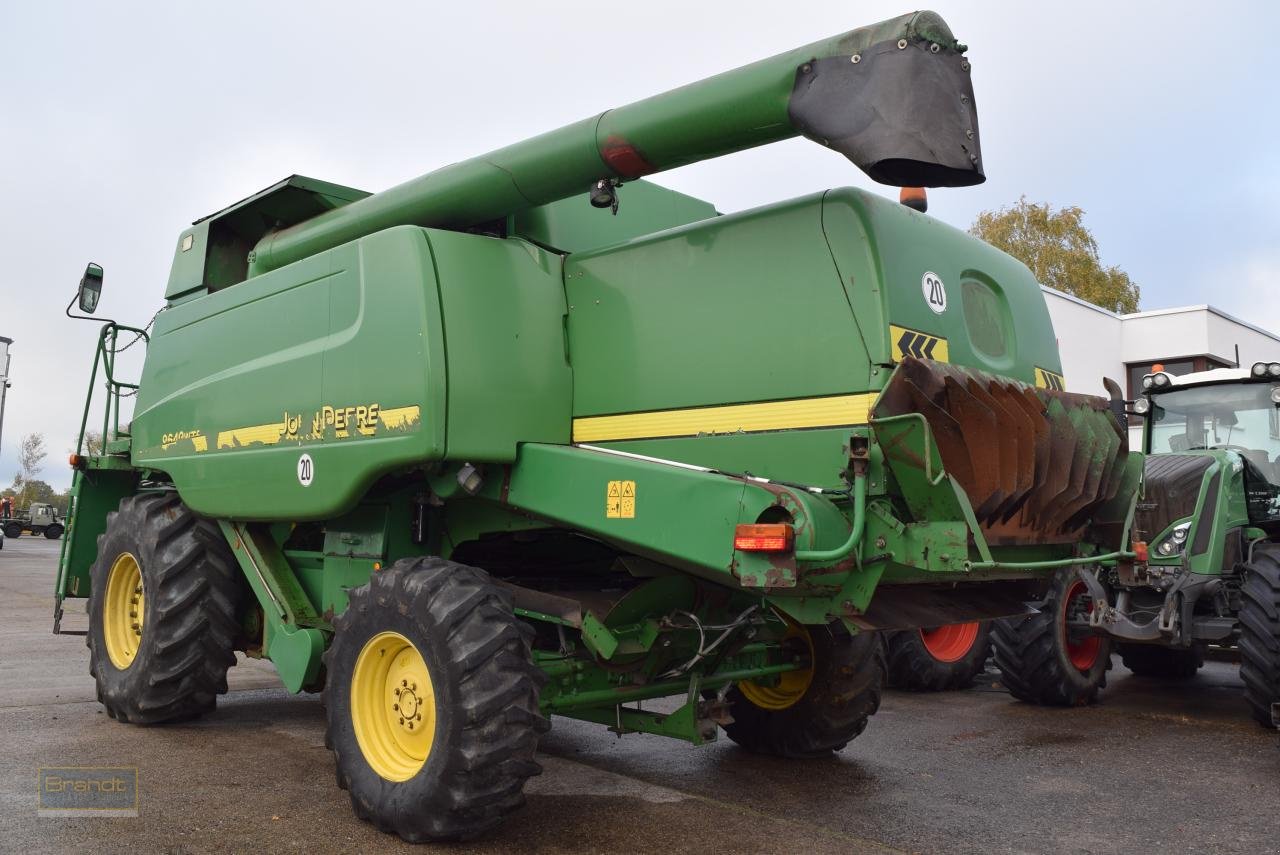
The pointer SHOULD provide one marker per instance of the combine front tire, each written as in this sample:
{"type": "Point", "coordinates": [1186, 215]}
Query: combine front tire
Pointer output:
{"type": "Point", "coordinates": [940, 658]}
{"type": "Point", "coordinates": [162, 611]}
{"type": "Point", "coordinates": [813, 712]}
{"type": "Point", "coordinates": [1041, 661]}
{"type": "Point", "coordinates": [1162, 663]}
{"type": "Point", "coordinates": [1260, 632]}
{"type": "Point", "coordinates": [432, 702]}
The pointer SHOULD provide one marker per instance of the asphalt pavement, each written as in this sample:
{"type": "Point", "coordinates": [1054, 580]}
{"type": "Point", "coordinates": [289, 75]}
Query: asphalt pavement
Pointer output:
{"type": "Point", "coordinates": [1154, 767]}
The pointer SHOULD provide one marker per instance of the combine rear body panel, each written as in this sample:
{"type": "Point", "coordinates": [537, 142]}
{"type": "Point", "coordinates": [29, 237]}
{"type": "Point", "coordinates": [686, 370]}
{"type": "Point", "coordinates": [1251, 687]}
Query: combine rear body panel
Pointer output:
{"type": "Point", "coordinates": [472, 433]}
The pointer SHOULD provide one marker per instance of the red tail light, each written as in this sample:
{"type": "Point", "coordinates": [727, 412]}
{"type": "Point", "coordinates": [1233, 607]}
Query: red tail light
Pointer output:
{"type": "Point", "coordinates": [770, 537]}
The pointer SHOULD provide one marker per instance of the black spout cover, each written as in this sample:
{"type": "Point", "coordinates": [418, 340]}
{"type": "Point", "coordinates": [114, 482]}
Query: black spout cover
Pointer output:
{"type": "Point", "coordinates": [905, 116]}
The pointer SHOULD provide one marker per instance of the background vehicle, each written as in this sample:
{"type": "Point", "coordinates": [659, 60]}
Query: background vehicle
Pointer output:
{"type": "Point", "coordinates": [938, 658]}
{"type": "Point", "coordinates": [1207, 568]}
{"type": "Point", "coordinates": [38, 518]}
{"type": "Point", "coordinates": [514, 457]}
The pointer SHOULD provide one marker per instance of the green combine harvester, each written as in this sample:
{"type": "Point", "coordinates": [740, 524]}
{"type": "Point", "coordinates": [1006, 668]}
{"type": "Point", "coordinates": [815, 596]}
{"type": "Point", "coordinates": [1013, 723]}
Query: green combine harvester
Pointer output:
{"type": "Point", "coordinates": [529, 436]}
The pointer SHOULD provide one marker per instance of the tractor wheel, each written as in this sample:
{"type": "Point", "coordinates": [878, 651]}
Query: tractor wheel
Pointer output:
{"type": "Point", "coordinates": [1040, 661]}
{"type": "Point", "coordinates": [13, 530]}
{"type": "Point", "coordinates": [432, 701]}
{"type": "Point", "coordinates": [53, 532]}
{"type": "Point", "coordinates": [813, 712]}
{"type": "Point", "coordinates": [1164, 663]}
{"type": "Point", "coordinates": [1260, 632]}
{"type": "Point", "coordinates": [162, 611]}
{"type": "Point", "coordinates": [940, 658]}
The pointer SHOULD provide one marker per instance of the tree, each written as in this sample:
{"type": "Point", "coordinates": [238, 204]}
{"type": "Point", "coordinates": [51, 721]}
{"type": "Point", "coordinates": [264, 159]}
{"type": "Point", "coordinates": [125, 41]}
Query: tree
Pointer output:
{"type": "Point", "coordinates": [1060, 251]}
{"type": "Point", "coordinates": [62, 501]}
{"type": "Point", "coordinates": [31, 455]}
{"type": "Point", "coordinates": [36, 490]}
{"type": "Point", "coordinates": [92, 442]}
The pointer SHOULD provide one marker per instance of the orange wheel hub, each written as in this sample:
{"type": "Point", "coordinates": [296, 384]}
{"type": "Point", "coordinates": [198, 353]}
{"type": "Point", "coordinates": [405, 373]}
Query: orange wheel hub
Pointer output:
{"type": "Point", "coordinates": [1082, 651]}
{"type": "Point", "coordinates": [950, 643]}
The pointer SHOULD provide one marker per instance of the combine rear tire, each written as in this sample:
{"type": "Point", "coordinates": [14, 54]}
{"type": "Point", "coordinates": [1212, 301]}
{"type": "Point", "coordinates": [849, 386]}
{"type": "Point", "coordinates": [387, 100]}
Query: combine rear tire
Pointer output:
{"type": "Point", "coordinates": [813, 712]}
{"type": "Point", "coordinates": [432, 702]}
{"type": "Point", "coordinates": [53, 532]}
{"type": "Point", "coordinates": [940, 658]}
{"type": "Point", "coordinates": [1041, 662]}
{"type": "Point", "coordinates": [1260, 632]}
{"type": "Point", "coordinates": [1163, 663]}
{"type": "Point", "coordinates": [162, 611]}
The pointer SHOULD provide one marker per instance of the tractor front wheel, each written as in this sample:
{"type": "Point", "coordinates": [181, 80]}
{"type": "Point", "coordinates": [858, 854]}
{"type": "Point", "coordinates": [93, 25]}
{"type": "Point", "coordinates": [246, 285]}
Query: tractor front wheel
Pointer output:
{"type": "Point", "coordinates": [432, 701]}
{"type": "Point", "coordinates": [13, 530]}
{"type": "Point", "coordinates": [53, 532]}
{"type": "Point", "coordinates": [937, 659]}
{"type": "Point", "coordinates": [812, 712]}
{"type": "Point", "coordinates": [162, 611]}
{"type": "Point", "coordinates": [1260, 632]}
{"type": "Point", "coordinates": [1043, 659]}
{"type": "Point", "coordinates": [1162, 663]}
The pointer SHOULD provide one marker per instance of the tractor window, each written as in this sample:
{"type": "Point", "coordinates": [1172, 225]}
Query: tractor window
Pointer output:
{"type": "Point", "coordinates": [1238, 417]}
{"type": "Point", "coordinates": [984, 316]}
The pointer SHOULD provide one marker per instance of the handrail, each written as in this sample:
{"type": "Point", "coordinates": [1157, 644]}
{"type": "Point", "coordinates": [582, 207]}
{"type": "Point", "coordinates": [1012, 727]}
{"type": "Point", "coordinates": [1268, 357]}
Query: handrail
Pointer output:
{"type": "Point", "coordinates": [105, 355]}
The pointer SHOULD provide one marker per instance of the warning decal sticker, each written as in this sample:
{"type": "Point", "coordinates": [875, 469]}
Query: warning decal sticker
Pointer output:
{"type": "Point", "coordinates": [620, 500]}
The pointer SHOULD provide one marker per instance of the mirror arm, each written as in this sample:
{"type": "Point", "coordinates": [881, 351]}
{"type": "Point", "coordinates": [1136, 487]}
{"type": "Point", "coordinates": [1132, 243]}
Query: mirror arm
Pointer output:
{"type": "Point", "coordinates": [84, 317]}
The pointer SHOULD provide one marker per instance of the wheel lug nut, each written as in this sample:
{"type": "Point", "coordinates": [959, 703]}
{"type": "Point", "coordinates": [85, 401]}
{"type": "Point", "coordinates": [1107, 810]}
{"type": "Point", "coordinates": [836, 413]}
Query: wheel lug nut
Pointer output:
{"type": "Point", "coordinates": [404, 683]}
{"type": "Point", "coordinates": [395, 707]}
{"type": "Point", "coordinates": [402, 721]}
{"type": "Point", "coordinates": [397, 691]}
{"type": "Point", "coordinates": [411, 725]}
{"type": "Point", "coordinates": [419, 716]}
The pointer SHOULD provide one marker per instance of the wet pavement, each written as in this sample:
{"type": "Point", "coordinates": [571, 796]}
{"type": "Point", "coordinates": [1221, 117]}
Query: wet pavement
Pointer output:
{"type": "Point", "coordinates": [1154, 767]}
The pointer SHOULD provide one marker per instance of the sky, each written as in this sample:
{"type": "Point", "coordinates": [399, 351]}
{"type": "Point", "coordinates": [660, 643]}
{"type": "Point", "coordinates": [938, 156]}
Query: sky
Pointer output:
{"type": "Point", "coordinates": [121, 123]}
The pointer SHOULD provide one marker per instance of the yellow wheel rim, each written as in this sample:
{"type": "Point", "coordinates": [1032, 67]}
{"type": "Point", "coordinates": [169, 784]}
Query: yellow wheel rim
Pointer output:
{"type": "Point", "coordinates": [393, 706]}
{"type": "Point", "coordinates": [123, 611]}
{"type": "Point", "coordinates": [791, 685]}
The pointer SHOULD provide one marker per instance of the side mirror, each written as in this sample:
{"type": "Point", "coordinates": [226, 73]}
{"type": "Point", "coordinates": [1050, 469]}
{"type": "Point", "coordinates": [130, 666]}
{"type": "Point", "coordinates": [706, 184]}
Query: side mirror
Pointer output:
{"type": "Point", "coordinates": [90, 288]}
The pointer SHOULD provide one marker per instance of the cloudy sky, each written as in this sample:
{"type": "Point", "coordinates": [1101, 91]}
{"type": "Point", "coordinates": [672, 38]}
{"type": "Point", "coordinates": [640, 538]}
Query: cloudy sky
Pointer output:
{"type": "Point", "coordinates": [123, 122]}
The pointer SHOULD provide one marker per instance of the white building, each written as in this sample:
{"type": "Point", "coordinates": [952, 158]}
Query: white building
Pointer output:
{"type": "Point", "coordinates": [1095, 343]}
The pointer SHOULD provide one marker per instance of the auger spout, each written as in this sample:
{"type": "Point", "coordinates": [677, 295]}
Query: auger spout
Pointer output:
{"type": "Point", "coordinates": [895, 98]}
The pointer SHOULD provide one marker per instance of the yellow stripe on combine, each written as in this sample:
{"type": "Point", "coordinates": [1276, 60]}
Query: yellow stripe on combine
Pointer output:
{"type": "Point", "coordinates": [832, 411]}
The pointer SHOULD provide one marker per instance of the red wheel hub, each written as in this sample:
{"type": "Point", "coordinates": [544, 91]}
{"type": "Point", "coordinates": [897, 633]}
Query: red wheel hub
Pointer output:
{"type": "Point", "coordinates": [1083, 650]}
{"type": "Point", "coordinates": [950, 643]}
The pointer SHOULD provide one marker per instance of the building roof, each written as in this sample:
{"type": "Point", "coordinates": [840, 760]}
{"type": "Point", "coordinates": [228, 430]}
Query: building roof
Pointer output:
{"type": "Point", "coordinates": [1153, 313]}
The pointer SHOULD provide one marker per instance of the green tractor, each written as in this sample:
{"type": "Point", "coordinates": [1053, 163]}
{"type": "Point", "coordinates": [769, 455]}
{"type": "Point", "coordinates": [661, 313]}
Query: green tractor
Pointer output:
{"type": "Point", "coordinates": [472, 452]}
{"type": "Point", "coordinates": [1207, 532]}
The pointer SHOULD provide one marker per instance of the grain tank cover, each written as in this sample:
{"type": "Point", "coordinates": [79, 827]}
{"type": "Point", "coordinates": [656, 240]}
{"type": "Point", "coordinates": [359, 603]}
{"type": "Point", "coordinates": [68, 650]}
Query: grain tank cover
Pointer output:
{"type": "Point", "coordinates": [214, 252]}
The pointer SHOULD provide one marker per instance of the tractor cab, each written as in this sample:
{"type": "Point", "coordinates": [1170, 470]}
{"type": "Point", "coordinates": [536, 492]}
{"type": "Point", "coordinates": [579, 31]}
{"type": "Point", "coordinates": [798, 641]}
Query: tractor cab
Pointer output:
{"type": "Point", "coordinates": [1227, 419]}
